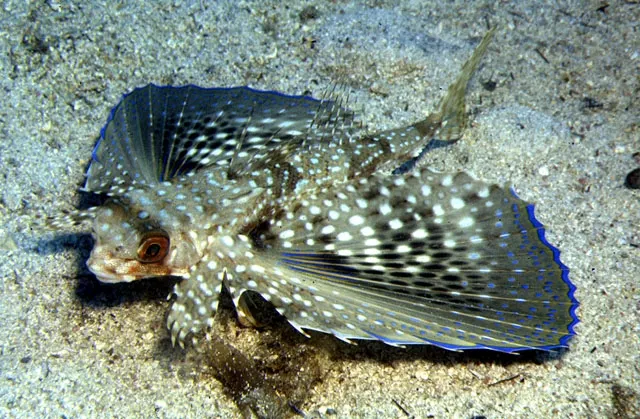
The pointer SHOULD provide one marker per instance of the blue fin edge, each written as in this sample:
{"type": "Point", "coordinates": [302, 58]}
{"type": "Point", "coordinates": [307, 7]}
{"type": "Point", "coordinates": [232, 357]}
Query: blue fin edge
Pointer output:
{"type": "Point", "coordinates": [565, 273]}
{"type": "Point", "coordinates": [565, 277]}
{"type": "Point", "coordinates": [564, 342]}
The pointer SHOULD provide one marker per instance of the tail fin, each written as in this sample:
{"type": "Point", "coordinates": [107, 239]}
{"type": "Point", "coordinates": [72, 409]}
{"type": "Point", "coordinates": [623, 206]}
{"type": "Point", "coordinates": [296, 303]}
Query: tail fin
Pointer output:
{"type": "Point", "coordinates": [451, 118]}
{"type": "Point", "coordinates": [408, 144]}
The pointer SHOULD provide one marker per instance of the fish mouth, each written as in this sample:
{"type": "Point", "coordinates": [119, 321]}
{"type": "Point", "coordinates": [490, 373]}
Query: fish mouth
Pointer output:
{"type": "Point", "coordinates": [113, 279]}
{"type": "Point", "coordinates": [112, 273]}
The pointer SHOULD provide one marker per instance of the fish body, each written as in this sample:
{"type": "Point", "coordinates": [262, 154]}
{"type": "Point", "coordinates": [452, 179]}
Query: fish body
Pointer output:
{"type": "Point", "coordinates": [342, 232]}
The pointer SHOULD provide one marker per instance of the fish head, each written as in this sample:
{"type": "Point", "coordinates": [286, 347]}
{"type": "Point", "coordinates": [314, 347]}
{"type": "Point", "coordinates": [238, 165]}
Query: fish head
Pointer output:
{"type": "Point", "coordinates": [132, 243]}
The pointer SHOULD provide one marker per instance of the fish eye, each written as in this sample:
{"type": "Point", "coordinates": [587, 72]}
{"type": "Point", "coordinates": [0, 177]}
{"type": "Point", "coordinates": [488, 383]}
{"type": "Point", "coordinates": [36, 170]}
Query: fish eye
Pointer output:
{"type": "Point", "coordinates": [153, 247]}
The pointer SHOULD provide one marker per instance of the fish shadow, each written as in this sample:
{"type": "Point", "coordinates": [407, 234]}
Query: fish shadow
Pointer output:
{"type": "Point", "coordinates": [291, 364]}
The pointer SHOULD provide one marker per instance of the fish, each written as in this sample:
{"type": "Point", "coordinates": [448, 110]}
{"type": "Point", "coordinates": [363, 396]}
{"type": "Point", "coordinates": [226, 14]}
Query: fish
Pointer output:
{"type": "Point", "coordinates": [343, 231]}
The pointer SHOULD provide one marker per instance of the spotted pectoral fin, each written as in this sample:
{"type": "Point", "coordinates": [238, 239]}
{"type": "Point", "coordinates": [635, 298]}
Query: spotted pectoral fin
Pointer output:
{"type": "Point", "coordinates": [196, 300]}
{"type": "Point", "coordinates": [157, 133]}
{"type": "Point", "coordinates": [421, 258]}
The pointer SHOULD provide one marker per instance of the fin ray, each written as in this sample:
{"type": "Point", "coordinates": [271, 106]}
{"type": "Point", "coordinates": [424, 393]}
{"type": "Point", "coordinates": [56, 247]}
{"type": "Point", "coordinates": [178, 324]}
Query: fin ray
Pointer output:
{"type": "Point", "coordinates": [459, 264]}
{"type": "Point", "coordinates": [157, 133]}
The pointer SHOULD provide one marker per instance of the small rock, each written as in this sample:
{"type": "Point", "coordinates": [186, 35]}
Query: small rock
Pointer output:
{"type": "Point", "coordinates": [422, 375]}
{"type": "Point", "coordinates": [632, 181]}
{"type": "Point", "coordinates": [325, 410]}
{"type": "Point", "coordinates": [309, 13]}
{"type": "Point", "coordinates": [6, 242]}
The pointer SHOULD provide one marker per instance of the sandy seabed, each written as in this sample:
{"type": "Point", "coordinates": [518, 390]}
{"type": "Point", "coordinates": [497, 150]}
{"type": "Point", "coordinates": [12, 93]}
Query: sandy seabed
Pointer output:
{"type": "Point", "coordinates": [554, 110]}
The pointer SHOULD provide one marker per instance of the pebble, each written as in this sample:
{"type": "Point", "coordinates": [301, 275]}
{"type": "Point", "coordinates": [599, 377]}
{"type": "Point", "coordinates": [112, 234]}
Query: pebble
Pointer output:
{"type": "Point", "coordinates": [422, 375]}
{"type": "Point", "coordinates": [632, 181]}
{"type": "Point", "coordinates": [6, 242]}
